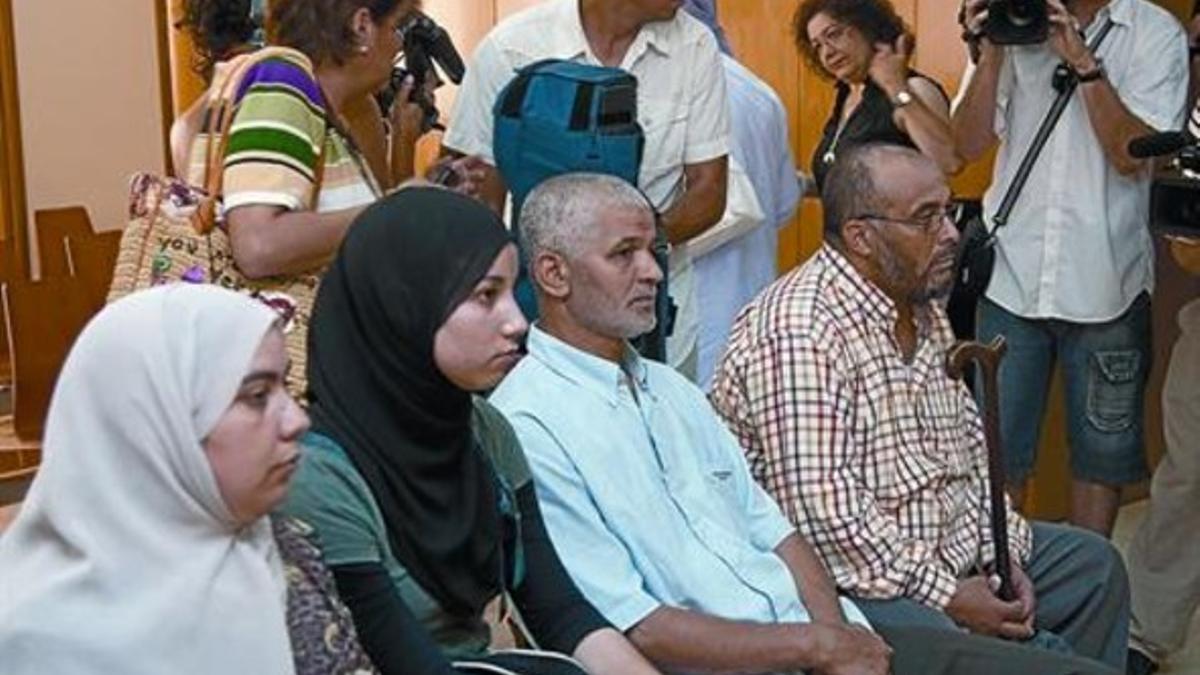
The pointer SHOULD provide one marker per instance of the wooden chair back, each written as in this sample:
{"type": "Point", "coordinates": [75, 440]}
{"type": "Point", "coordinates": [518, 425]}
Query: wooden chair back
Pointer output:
{"type": "Point", "coordinates": [42, 320]}
{"type": "Point", "coordinates": [91, 259]}
{"type": "Point", "coordinates": [54, 228]}
{"type": "Point", "coordinates": [6, 270]}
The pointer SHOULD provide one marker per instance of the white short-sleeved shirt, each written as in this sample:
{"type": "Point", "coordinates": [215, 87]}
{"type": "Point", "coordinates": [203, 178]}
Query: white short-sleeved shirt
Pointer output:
{"type": "Point", "coordinates": [737, 267]}
{"type": "Point", "coordinates": [1077, 245]}
{"type": "Point", "coordinates": [681, 107]}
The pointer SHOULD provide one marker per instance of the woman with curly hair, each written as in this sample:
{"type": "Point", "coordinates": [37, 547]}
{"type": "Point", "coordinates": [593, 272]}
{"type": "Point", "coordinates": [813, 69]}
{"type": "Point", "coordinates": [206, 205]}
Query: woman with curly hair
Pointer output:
{"type": "Point", "coordinates": [218, 31]}
{"type": "Point", "coordinates": [864, 46]}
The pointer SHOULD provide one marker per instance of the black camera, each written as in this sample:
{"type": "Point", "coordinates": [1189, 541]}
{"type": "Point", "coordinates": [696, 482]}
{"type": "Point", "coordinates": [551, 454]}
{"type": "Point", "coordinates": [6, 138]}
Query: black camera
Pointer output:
{"type": "Point", "coordinates": [1175, 196]}
{"type": "Point", "coordinates": [1017, 22]}
{"type": "Point", "coordinates": [426, 44]}
{"type": "Point", "coordinates": [1175, 192]}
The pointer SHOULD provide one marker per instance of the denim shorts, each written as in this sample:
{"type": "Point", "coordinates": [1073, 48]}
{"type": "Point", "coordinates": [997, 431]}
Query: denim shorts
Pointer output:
{"type": "Point", "coordinates": [1104, 369]}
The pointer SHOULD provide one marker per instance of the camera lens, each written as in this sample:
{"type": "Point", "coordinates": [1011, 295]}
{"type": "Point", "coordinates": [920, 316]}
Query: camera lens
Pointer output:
{"type": "Point", "coordinates": [1022, 12]}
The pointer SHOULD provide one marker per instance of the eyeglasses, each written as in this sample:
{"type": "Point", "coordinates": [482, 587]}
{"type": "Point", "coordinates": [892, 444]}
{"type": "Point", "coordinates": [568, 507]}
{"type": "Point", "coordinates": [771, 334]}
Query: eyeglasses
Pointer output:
{"type": "Point", "coordinates": [930, 223]}
{"type": "Point", "coordinates": [833, 35]}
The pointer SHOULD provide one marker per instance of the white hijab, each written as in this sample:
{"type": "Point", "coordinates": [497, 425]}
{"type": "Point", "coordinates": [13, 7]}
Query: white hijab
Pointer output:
{"type": "Point", "coordinates": [125, 559]}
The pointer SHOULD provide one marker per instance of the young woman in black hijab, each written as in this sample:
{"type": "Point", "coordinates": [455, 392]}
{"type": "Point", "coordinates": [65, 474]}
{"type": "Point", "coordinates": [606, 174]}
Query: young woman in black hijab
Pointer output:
{"type": "Point", "coordinates": [418, 489]}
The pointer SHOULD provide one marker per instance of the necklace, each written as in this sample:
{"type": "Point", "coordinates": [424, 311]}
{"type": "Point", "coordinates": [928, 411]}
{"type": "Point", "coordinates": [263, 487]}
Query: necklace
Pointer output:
{"type": "Point", "coordinates": [831, 152]}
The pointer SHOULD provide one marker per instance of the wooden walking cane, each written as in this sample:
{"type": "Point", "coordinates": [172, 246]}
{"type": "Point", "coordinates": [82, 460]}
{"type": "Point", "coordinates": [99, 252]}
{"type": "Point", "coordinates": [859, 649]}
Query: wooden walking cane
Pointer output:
{"type": "Point", "coordinates": [961, 355]}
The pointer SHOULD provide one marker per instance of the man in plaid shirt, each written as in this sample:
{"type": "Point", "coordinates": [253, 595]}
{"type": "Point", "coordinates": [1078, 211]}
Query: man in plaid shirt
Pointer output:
{"type": "Point", "coordinates": [834, 382]}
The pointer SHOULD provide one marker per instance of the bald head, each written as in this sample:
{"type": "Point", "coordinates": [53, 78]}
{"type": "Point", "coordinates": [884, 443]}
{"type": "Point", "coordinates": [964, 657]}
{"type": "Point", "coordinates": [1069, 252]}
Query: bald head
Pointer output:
{"type": "Point", "coordinates": [889, 211]}
{"type": "Point", "coordinates": [862, 179]}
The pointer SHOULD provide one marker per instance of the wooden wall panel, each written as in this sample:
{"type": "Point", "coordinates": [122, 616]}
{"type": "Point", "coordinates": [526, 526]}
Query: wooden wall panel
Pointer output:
{"type": "Point", "coordinates": [1180, 8]}
{"type": "Point", "coordinates": [186, 85]}
{"type": "Point", "coordinates": [167, 114]}
{"type": "Point", "coordinates": [467, 22]}
{"type": "Point", "coordinates": [760, 36]}
{"type": "Point", "coordinates": [14, 249]}
{"type": "Point", "coordinates": [506, 7]}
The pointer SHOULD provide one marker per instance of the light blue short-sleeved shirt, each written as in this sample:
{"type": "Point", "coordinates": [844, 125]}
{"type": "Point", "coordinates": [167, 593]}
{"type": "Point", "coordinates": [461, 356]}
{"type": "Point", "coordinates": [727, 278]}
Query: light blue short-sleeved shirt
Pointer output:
{"type": "Point", "coordinates": [645, 493]}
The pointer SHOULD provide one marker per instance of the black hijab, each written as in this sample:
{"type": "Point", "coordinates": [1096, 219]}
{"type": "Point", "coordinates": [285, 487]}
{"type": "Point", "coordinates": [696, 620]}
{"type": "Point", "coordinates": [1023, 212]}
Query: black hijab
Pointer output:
{"type": "Point", "coordinates": [407, 262]}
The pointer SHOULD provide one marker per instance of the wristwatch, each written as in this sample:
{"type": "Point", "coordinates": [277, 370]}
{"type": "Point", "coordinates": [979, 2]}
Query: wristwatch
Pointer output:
{"type": "Point", "coordinates": [902, 98]}
{"type": "Point", "coordinates": [1092, 75]}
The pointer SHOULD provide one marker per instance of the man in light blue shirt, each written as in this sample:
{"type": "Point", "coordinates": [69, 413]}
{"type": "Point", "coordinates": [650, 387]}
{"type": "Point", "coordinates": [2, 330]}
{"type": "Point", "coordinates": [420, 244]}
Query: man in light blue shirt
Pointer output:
{"type": "Point", "coordinates": [647, 496]}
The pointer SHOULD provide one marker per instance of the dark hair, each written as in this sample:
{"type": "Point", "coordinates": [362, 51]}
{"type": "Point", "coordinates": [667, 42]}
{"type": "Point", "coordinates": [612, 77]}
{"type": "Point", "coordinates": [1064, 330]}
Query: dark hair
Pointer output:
{"type": "Point", "coordinates": [217, 29]}
{"type": "Point", "coordinates": [321, 28]}
{"type": "Point", "coordinates": [877, 20]}
{"type": "Point", "coordinates": [850, 190]}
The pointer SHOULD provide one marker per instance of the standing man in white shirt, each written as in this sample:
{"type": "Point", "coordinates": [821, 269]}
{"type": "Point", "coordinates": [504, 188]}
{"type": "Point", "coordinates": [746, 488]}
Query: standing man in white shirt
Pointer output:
{"type": "Point", "coordinates": [1075, 265]}
{"type": "Point", "coordinates": [736, 269]}
{"type": "Point", "coordinates": [681, 107]}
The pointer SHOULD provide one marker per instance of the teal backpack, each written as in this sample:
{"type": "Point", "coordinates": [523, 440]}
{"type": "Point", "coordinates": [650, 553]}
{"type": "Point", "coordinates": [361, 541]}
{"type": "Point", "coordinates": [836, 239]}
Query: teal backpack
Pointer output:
{"type": "Point", "coordinates": [559, 117]}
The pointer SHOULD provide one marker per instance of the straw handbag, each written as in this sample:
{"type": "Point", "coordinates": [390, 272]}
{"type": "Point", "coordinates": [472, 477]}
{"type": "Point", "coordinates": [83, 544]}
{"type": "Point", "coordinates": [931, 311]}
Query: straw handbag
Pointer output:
{"type": "Point", "coordinates": [173, 234]}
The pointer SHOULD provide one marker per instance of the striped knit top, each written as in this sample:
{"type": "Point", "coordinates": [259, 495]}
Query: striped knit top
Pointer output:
{"type": "Point", "coordinates": [278, 131]}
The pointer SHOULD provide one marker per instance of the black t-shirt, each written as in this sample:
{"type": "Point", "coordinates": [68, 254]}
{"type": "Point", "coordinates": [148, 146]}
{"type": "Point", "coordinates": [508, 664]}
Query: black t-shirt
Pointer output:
{"type": "Point", "coordinates": [870, 122]}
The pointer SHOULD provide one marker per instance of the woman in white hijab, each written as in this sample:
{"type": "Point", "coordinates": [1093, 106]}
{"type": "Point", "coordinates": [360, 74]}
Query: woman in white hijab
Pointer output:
{"type": "Point", "coordinates": [143, 546]}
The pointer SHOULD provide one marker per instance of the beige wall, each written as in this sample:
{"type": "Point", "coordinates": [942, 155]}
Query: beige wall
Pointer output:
{"type": "Point", "coordinates": [90, 102]}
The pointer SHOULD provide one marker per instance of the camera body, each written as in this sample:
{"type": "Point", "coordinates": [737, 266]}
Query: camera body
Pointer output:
{"type": "Point", "coordinates": [426, 44]}
{"type": "Point", "coordinates": [1175, 196]}
{"type": "Point", "coordinates": [1017, 22]}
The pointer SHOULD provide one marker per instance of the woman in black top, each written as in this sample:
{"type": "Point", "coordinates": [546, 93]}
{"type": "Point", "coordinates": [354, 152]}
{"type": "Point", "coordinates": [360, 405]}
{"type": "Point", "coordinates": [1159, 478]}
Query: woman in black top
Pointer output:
{"type": "Point", "coordinates": [863, 45]}
{"type": "Point", "coordinates": [415, 314]}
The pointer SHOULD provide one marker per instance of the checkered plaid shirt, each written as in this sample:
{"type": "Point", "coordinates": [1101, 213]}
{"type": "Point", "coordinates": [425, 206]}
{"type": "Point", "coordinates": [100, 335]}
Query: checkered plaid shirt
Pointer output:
{"type": "Point", "coordinates": [881, 464]}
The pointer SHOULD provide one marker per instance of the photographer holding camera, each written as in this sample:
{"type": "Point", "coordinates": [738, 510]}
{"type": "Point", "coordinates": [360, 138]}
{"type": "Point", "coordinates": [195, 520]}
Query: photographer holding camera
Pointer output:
{"type": "Point", "coordinates": [1075, 269]}
{"type": "Point", "coordinates": [408, 106]}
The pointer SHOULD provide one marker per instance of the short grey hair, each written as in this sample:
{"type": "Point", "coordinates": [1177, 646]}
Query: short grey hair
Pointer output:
{"type": "Point", "coordinates": [560, 211]}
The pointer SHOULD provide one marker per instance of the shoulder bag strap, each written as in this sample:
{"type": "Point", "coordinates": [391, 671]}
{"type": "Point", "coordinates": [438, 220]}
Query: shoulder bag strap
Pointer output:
{"type": "Point", "coordinates": [221, 110]}
{"type": "Point", "coordinates": [1069, 83]}
{"type": "Point", "coordinates": [219, 119]}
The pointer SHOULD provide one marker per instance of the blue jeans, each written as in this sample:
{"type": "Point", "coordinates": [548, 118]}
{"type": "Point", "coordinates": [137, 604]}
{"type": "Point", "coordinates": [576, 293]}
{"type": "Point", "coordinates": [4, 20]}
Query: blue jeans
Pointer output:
{"type": "Point", "coordinates": [1104, 368]}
